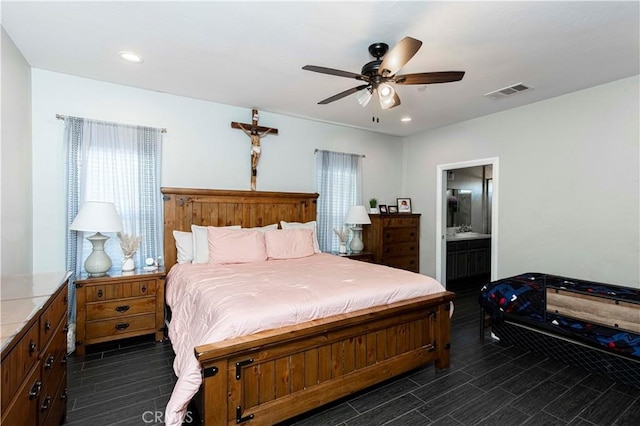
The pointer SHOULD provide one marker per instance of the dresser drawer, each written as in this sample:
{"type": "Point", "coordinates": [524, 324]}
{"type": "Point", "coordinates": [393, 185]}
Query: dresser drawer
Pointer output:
{"type": "Point", "coordinates": [120, 290]}
{"type": "Point", "coordinates": [50, 387]}
{"type": "Point", "coordinates": [120, 308]}
{"type": "Point", "coordinates": [17, 364]}
{"type": "Point", "coordinates": [400, 249]}
{"type": "Point", "coordinates": [410, 263]}
{"type": "Point", "coordinates": [393, 235]}
{"type": "Point", "coordinates": [54, 356]}
{"type": "Point", "coordinates": [399, 221]}
{"type": "Point", "coordinates": [120, 326]}
{"type": "Point", "coordinates": [58, 409]}
{"type": "Point", "coordinates": [25, 406]}
{"type": "Point", "coordinates": [50, 319]}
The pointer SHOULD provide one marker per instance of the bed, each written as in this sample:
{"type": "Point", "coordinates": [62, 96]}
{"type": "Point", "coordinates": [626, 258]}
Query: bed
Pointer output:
{"type": "Point", "coordinates": [274, 374]}
{"type": "Point", "coordinates": [587, 324]}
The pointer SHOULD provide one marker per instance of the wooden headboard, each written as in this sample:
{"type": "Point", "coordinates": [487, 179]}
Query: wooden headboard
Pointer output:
{"type": "Point", "coordinates": [184, 207]}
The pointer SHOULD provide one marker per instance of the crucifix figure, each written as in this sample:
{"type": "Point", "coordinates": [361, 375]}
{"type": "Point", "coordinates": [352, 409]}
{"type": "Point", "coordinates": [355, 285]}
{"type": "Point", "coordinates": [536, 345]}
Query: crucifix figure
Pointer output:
{"type": "Point", "coordinates": [255, 132]}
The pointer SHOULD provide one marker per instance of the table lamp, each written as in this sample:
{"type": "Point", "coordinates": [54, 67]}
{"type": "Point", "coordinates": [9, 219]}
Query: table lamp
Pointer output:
{"type": "Point", "coordinates": [357, 215]}
{"type": "Point", "coordinates": [97, 216]}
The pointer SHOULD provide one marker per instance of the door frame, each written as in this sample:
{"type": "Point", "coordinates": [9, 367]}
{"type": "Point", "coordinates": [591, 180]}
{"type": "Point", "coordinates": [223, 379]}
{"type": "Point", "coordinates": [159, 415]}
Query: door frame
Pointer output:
{"type": "Point", "coordinates": [441, 205]}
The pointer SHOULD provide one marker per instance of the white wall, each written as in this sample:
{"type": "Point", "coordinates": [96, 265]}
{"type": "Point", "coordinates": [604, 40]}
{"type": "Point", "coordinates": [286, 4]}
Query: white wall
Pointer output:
{"type": "Point", "coordinates": [15, 164]}
{"type": "Point", "coordinates": [569, 182]}
{"type": "Point", "coordinates": [201, 149]}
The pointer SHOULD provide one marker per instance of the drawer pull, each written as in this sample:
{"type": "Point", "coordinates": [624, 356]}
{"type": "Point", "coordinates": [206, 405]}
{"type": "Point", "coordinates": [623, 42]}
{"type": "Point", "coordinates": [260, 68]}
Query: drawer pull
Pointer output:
{"type": "Point", "coordinates": [46, 403]}
{"type": "Point", "coordinates": [412, 248]}
{"type": "Point", "coordinates": [63, 361]}
{"type": "Point", "coordinates": [63, 397]}
{"type": "Point", "coordinates": [99, 293]}
{"type": "Point", "coordinates": [47, 325]}
{"type": "Point", "coordinates": [122, 326]}
{"type": "Point", "coordinates": [32, 346]}
{"type": "Point", "coordinates": [124, 308]}
{"type": "Point", "coordinates": [35, 390]}
{"type": "Point", "coordinates": [144, 288]}
{"type": "Point", "coordinates": [49, 363]}
{"type": "Point", "coordinates": [65, 329]}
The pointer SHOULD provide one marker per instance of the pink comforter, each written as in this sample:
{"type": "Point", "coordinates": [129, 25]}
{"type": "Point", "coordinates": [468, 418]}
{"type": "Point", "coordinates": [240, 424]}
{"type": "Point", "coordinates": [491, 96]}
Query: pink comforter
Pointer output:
{"type": "Point", "coordinates": [211, 303]}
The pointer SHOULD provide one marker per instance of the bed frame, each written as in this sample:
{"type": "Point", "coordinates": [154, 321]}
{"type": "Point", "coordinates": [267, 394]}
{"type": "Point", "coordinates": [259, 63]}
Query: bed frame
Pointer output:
{"type": "Point", "coordinates": [271, 376]}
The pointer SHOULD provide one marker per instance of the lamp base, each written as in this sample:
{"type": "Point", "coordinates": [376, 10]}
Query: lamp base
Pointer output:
{"type": "Point", "coordinates": [98, 262]}
{"type": "Point", "coordinates": [356, 245]}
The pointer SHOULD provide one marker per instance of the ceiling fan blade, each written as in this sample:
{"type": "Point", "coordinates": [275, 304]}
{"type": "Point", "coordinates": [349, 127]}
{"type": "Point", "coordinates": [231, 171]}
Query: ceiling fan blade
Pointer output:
{"type": "Point", "coordinates": [399, 56]}
{"type": "Point", "coordinates": [343, 94]}
{"type": "Point", "coordinates": [331, 71]}
{"type": "Point", "coordinates": [429, 77]}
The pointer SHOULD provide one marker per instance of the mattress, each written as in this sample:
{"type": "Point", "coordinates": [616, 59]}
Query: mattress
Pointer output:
{"type": "Point", "coordinates": [211, 303]}
{"type": "Point", "coordinates": [530, 300]}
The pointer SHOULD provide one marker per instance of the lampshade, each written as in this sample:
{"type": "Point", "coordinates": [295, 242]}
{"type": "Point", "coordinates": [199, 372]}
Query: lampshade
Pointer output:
{"type": "Point", "coordinates": [364, 97]}
{"type": "Point", "coordinates": [386, 96]}
{"type": "Point", "coordinates": [97, 216]}
{"type": "Point", "coordinates": [357, 215]}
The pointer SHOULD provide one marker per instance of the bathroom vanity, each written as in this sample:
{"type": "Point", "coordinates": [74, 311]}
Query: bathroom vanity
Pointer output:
{"type": "Point", "coordinates": [468, 256]}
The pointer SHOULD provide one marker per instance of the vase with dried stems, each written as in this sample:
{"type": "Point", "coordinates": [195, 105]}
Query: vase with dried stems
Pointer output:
{"type": "Point", "coordinates": [129, 244]}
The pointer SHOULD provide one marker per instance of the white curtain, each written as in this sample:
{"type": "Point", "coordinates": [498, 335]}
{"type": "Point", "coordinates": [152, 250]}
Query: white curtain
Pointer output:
{"type": "Point", "coordinates": [339, 183]}
{"type": "Point", "coordinates": [121, 164]}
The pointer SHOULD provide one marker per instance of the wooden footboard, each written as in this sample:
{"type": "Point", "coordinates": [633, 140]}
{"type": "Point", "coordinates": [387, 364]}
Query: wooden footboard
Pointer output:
{"type": "Point", "coordinates": [274, 375]}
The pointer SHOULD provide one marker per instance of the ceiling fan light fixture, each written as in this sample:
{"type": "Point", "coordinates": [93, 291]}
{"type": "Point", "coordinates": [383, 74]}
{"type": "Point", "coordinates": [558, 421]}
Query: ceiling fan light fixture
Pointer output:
{"type": "Point", "coordinates": [364, 97]}
{"type": "Point", "coordinates": [386, 96]}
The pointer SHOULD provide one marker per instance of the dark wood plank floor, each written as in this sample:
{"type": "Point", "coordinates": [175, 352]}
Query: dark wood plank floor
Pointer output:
{"type": "Point", "coordinates": [489, 383]}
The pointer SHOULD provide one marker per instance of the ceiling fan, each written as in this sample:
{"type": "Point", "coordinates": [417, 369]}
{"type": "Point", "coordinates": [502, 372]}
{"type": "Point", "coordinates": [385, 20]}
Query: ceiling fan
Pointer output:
{"type": "Point", "coordinates": [380, 75]}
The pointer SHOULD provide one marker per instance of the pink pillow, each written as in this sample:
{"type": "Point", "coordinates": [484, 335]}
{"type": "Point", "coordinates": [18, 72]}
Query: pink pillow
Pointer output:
{"type": "Point", "coordinates": [289, 243]}
{"type": "Point", "coordinates": [236, 246]}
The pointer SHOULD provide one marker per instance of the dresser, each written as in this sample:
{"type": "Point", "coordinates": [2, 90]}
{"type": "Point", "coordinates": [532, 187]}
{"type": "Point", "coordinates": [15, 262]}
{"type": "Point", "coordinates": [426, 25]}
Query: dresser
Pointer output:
{"type": "Point", "coordinates": [119, 305]}
{"type": "Point", "coordinates": [394, 240]}
{"type": "Point", "coordinates": [34, 349]}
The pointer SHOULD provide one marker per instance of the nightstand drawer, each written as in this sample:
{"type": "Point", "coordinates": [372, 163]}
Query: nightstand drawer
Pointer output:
{"type": "Point", "coordinates": [120, 308]}
{"type": "Point", "coordinates": [121, 326]}
{"type": "Point", "coordinates": [120, 290]}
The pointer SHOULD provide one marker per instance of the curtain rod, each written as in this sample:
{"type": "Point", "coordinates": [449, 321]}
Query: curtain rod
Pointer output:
{"type": "Point", "coordinates": [62, 117]}
{"type": "Point", "coordinates": [345, 153]}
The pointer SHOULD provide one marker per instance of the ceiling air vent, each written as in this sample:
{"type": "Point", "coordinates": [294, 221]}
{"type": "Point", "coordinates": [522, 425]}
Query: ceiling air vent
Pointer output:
{"type": "Point", "coordinates": [507, 91]}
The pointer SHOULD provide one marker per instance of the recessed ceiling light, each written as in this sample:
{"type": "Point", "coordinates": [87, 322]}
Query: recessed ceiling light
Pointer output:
{"type": "Point", "coordinates": [405, 119]}
{"type": "Point", "coordinates": [130, 57]}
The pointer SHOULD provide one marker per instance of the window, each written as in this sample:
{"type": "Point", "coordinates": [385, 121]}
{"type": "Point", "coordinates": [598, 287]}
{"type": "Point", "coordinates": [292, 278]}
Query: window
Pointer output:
{"type": "Point", "coordinates": [339, 183]}
{"type": "Point", "coordinates": [116, 163]}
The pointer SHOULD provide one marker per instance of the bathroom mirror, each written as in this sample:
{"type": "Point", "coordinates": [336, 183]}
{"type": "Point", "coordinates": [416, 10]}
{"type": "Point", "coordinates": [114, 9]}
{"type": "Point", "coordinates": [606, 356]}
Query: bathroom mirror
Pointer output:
{"type": "Point", "coordinates": [458, 207]}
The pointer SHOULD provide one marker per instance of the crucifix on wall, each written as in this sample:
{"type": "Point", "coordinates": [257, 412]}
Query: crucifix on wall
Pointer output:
{"type": "Point", "coordinates": [255, 132]}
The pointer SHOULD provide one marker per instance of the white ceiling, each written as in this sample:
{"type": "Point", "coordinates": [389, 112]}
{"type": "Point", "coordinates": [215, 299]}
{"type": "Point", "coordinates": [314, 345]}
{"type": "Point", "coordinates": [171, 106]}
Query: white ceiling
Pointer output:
{"type": "Point", "coordinates": [250, 54]}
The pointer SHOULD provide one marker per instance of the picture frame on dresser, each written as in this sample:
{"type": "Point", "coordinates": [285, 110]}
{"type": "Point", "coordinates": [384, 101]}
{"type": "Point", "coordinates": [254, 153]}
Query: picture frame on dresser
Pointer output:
{"type": "Point", "coordinates": [404, 205]}
{"type": "Point", "coordinates": [383, 208]}
{"type": "Point", "coordinates": [393, 209]}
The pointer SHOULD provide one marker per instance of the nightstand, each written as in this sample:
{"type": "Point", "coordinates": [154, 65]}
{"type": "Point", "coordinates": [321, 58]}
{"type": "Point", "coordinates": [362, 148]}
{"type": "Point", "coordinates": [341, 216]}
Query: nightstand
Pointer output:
{"type": "Point", "coordinates": [364, 256]}
{"type": "Point", "coordinates": [119, 305]}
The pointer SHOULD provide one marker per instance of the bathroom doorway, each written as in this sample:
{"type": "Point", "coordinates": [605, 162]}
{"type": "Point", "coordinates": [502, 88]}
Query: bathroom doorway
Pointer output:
{"type": "Point", "coordinates": [466, 222]}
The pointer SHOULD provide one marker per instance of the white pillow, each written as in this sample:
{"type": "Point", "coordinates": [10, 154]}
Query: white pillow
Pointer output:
{"type": "Point", "coordinates": [201, 242]}
{"type": "Point", "coordinates": [309, 225]}
{"type": "Point", "coordinates": [184, 246]}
